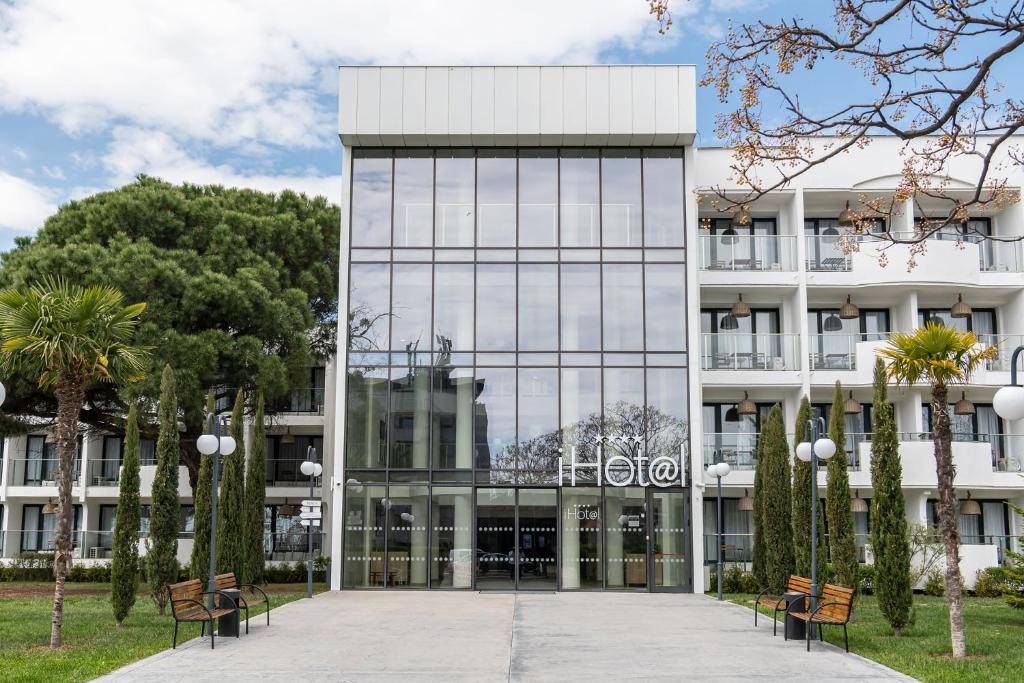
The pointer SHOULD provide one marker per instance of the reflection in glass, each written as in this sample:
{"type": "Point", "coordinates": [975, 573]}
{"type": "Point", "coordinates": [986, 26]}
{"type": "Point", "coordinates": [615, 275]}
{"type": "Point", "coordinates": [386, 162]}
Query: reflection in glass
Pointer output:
{"type": "Point", "coordinates": [580, 307]}
{"type": "Point", "coordinates": [666, 424]}
{"type": "Point", "coordinates": [623, 307]}
{"type": "Point", "coordinates": [414, 192]}
{"type": "Point", "coordinates": [663, 201]}
{"type": "Point", "coordinates": [367, 406]}
{"type": "Point", "coordinates": [582, 563]}
{"type": "Point", "coordinates": [668, 537]}
{"type": "Point", "coordinates": [581, 414]}
{"type": "Point", "coordinates": [495, 538]}
{"type": "Point", "coordinates": [537, 450]}
{"type": "Point", "coordinates": [451, 537]}
{"type": "Point", "coordinates": [410, 417]}
{"type": "Point", "coordinates": [496, 199]}
{"type": "Point", "coordinates": [496, 307]}
{"type": "Point", "coordinates": [368, 306]}
{"type": "Point", "coordinates": [454, 199]}
{"type": "Point", "coordinates": [626, 525]}
{"type": "Point", "coordinates": [364, 536]}
{"type": "Point", "coordinates": [453, 305]}
{"type": "Point", "coordinates": [371, 202]}
{"type": "Point", "coordinates": [410, 307]}
{"type": "Point", "coordinates": [538, 307]}
{"type": "Point", "coordinates": [538, 539]}
{"type": "Point", "coordinates": [623, 410]}
{"type": "Point", "coordinates": [538, 201]}
{"type": "Point", "coordinates": [408, 538]}
{"type": "Point", "coordinates": [620, 199]}
{"type": "Point", "coordinates": [665, 284]}
{"type": "Point", "coordinates": [578, 182]}
{"type": "Point", "coordinates": [453, 417]}
{"type": "Point", "coordinates": [495, 418]}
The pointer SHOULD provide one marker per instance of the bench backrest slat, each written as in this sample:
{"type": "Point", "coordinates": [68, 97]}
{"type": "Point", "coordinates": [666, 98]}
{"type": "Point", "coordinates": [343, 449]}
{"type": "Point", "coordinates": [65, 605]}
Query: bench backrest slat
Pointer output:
{"type": "Point", "coordinates": [798, 584]}
{"type": "Point", "coordinates": [841, 595]}
{"type": "Point", "coordinates": [187, 590]}
{"type": "Point", "coordinates": [225, 581]}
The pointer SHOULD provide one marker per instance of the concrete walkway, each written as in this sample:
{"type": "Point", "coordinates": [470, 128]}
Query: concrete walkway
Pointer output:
{"type": "Point", "coordinates": [455, 636]}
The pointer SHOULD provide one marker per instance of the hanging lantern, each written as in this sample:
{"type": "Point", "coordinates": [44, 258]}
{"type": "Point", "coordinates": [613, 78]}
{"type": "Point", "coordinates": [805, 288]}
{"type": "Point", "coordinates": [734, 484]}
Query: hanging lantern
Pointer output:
{"type": "Point", "coordinates": [742, 218]}
{"type": "Point", "coordinates": [970, 507]}
{"type": "Point", "coordinates": [728, 322]}
{"type": "Point", "coordinates": [732, 415]}
{"type": "Point", "coordinates": [728, 235]}
{"type": "Point", "coordinates": [286, 510]}
{"type": "Point", "coordinates": [963, 406]}
{"type": "Point", "coordinates": [846, 217]}
{"type": "Point", "coordinates": [740, 309]}
{"type": "Point", "coordinates": [51, 436]}
{"type": "Point", "coordinates": [851, 406]}
{"type": "Point", "coordinates": [849, 310]}
{"type": "Point", "coordinates": [746, 406]}
{"type": "Point", "coordinates": [832, 323]}
{"type": "Point", "coordinates": [50, 508]}
{"type": "Point", "coordinates": [288, 437]}
{"type": "Point", "coordinates": [746, 503]}
{"type": "Point", "coordinates": [858, 504]}
{"type": "Point", "coordinates": [960, 309]}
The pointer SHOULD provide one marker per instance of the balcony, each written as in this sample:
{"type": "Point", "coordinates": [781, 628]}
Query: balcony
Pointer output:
{"type": "Point", "coordinates": [292, 545]}
{"type": "Point", "coordinates": [1005, 451]}
{"type": "Point", "coordinates": [103, 472]}
{"type": "Point", "coordinates": [740, 547]}
{"type": "Point", "coordinates": [305, 400]}
{"type": "Point", "coordinates": [39, 541]}
{"type": "Point", "coordinates": [745, 351]}
{"type": "Point", "coordinates": [758, 253]}
{"type": "Point", "coordinates": [1005, 343]}
{"type": "Point", "coordinates": [39, 472]}
{"type": "Point", "coordinates": [285, 472]}
{"type": "Point", "coordinates": [739, 450]}
{"type": "Point", "coordinates": [840, 351]}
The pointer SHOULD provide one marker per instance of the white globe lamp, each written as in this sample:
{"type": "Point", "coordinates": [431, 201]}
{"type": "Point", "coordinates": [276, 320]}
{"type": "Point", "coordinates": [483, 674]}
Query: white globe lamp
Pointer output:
{"type": "Point", "coordinates": [824, 448]}
{"type": "Point", "coordinates": [1009, 403]}
{"type": "Point", "coordinates": [803, 451]}
{"type": "Point", "coordinates": [723, 469]}
{"type": "Point", "coordinates": [227, 445]}
{"type": "Point", "coordinates": [207, 444]}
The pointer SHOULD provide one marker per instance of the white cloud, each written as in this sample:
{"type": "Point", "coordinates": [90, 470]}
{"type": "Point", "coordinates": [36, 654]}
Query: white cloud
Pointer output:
{"type": "Point", "coordinates": [228, 72]}
{"type": "Point", "coordinates": [23, 205]}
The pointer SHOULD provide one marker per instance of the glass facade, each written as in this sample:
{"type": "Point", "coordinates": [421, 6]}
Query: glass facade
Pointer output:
{"type": "Point", "coordinates": [509, 306]}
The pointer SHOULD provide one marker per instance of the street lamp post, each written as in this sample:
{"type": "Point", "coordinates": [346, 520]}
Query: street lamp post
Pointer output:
{"type": "Point", "coordinates": [719, 470]}
{"type": "Point", "coordinates": [312, 469]}
{"type": "Point", "coordinates": [1009, 400]}
{"type": "Point", "coordinates": [214, 445]}
{"type": "Point", "coordinates": [823, 449]}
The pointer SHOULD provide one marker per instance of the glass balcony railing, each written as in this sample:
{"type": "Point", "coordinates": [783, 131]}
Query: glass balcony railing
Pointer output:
{"type": "Point", "coordinates": [739, 450]}
{"type": "Point", "coordinates": [838, 351]}
{"type": "Point", "coordinates": [291, 546]}
{"type": "Point", "coordinates": [286, 472]}
{"type": "Point", "coordinates": [39, 472]}
{"type": "Point", "coordinates": [39, 541]}
{"type": "Point", "coordinates": [748, 252]}
{"type": "Point", "coordinates": [103, 473]}
{"type": "Point", "coordinates": [825, 253]}
{"type": "Point", "coordinates": [735, 548]}
{"type": "Point", "coordinates": [746, 351]}
{"type": "Point", "coordinates": [1005, 343]}
{"type": "Point", "coordinates": [304, 400]}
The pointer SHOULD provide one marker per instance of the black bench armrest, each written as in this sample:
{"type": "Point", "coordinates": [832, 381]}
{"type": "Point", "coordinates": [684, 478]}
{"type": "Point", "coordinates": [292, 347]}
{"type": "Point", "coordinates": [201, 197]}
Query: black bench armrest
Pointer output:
{"type": "Point", "coordinates": [847, 605]}
{"type": "Point", "coordinates": [256, 588]}
{"type": "Point", "coordinates": [222, 594]}
{"type": "Point", "coordinates": [174, 611]}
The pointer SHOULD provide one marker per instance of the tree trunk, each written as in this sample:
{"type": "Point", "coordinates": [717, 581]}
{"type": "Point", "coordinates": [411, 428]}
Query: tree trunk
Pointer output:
{"type": "Point", "coordinates": [70, 396]}
{"type": "Point", "coordinates": [947, 509]}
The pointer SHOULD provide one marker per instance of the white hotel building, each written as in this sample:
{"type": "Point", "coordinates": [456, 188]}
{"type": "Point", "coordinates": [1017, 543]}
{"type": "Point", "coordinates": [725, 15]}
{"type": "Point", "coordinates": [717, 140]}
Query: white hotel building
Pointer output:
{"type": "Point", "coordinates": [528, 248]}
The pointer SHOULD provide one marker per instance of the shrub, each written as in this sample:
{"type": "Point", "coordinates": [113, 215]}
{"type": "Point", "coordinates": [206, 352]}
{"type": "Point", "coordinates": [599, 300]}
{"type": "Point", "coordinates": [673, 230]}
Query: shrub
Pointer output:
{"type": "Point", "coordinates": [867, 579]}
{"type": "Point", "coordinates": [935, 585]}
{"type": "Point", "coordinates": [97, 573]}
{"type": "Point", "coordinates": [989, 583]}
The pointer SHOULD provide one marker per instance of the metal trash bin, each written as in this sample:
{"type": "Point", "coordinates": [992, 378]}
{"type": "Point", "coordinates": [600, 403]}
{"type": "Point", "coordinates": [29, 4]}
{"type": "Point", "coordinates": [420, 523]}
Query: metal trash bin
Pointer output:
{"type": "Point", "coordinates": [795, 628]}
{"type": "Point", "coordinates": [227, 625]}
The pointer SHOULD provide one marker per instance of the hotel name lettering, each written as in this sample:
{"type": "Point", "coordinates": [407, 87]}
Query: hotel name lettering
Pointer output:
{"type": "Point", "coordinates": [620, 461]}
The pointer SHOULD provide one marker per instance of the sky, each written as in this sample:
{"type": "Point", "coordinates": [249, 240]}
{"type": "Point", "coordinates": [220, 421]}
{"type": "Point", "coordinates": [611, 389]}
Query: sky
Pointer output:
{"type": "Point", "coordinates": [244, 93]}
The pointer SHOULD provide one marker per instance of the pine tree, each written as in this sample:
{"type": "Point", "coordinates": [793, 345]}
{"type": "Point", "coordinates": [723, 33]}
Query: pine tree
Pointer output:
{"type": "Point", "coordinates": [802, 503]}
{"type": "Point", "coordinates": [255, 499]}
{"type": "Point", "coordinates": [124, 565]}
{"type": "Point", "coordinates": [890, 540]}
{"type": "Point", "coordinates": [230, 541]}
{"type": "Point", "coordinates": [760, 571]}
{"type": "Point", "coordinates": [199, 564]}
{"type": "Point", "coordinates": [776, 502]}
{"type": "Point", "coordinates": [837, 500]}
{"type": "Point", "coordinates": [164, 517]}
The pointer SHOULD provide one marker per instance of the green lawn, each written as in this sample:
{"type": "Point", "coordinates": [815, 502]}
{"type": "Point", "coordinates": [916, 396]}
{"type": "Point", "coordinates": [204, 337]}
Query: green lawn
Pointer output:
{"type": "Point", "coordinates": [92, 644]}
{"type": "Point", "coordinates": [995, 640]}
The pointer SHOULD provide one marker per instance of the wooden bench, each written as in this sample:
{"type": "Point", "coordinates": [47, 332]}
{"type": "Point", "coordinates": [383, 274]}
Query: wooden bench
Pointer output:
{"type": "Point", "coordinates": [255, 595]}
{"type": "Point", "coordinates": [835, 606]}
{"type": "Point", "coordinates": [796, 584]}
{"type": "Point", "coordinates": [187, 605]}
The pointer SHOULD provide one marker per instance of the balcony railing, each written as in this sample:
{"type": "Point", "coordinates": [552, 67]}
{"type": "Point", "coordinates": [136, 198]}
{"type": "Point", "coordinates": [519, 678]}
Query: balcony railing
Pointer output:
{"type": "Point", "coordinates": [304, 400]}
{"type": "Point", "coordinates": [748, 252]}
{"type": "Point", "coordinates": [746, 351]}
{"type": "Point", "coordinates": [739, 450]}
{"type": "Point", "coordinates": [1005, 343]}
{"type": "Point", "coordinates": [103, 473]}
{"type": "Point", "coordinates": [39, 471]}
{"type": "Point", "coordinates": [740, 547]}
{"type": "Point", "coordinates": [838, 351]}
{"type": "Point", "coordinates": [824, 253]}
{"type": "Point", "coordinates": [1007, 449]}
{"type": "Point", "coordinates": [286, 472]}
{"type": "Point", "coordinates": [39, 541]}
{"type": "Point", "coordinates": [291, 545]}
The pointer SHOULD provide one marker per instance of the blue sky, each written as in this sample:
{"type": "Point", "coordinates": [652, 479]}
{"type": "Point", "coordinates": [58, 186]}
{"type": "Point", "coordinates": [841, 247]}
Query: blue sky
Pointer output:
{"type": "Point", "coordinates": [94, 93]}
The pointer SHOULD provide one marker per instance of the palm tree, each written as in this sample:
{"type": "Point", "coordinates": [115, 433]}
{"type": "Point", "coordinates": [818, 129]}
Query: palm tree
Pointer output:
{"type": "Point", "coordinates": [67, 337]}
{"type": "Point", "coordinates": [940, 356]}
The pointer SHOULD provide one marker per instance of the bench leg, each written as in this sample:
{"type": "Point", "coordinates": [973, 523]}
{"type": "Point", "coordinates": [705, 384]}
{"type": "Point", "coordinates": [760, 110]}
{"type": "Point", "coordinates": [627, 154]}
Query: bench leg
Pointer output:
{"type": "Point", "coordinates": [755, 613]}
{"type": "Point", "coordinates": [174, 643]}
{"type": "Point", "coordinates": [246, 620]}
{"type": "Point", "coordinates": [202, 631]}
{"type": "Point", "coordinates": [846, 640]}
{"type": "Point", "coordinates": [268, 613]}
{"type": "Point", "coordinates": [808, 630]}
{"type": "Point", "coordinates": [211, 633]}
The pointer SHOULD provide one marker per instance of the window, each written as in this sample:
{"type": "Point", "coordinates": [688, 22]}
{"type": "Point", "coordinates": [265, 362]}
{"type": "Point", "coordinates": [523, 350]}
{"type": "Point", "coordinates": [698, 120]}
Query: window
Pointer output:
{"type": "Point", "coordinates": [38, 529]}
{"type": "Point", "coordinates": [371, 199]}
{"type": "Point", "coordinates": [982, 321]}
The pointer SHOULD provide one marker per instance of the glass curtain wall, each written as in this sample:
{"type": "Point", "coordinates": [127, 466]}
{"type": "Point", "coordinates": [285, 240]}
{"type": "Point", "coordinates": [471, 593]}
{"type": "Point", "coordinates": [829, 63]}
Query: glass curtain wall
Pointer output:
{"type": "Point", "coordinates": [505, 304]}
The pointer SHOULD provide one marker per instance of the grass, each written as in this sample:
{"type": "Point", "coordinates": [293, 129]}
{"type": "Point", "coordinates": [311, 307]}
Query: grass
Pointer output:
{"type": "Point", "coordinates": [92, 644]}
{"type": "Point", "coordinates": [995, 633]}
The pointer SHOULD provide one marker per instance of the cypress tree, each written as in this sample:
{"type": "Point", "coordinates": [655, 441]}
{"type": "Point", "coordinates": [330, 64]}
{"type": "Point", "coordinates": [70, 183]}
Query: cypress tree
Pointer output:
{"type": "Point", "coordinates": [757, 552]}
{"type": "Point", "coordinates": [255, 498]}
{"type": "Point", "coordinates": [837, 500]}
{"type": "Point", "coordinates": [802, 503]}
{"type": "Point", "coordinates": [164, 518]}
{"type": "Point", "coordinates": [1014, 573]}
{"type": "Point", "coordinates": [124, 565]}
{"type": "Point", "coordinates": [889, 534]}
{"type": "Point", "coordinates": [776, 502]}
{"type": "Point", "coordinates": [230, 541]}
{"type": "Point", "coordinates": [199, 564]}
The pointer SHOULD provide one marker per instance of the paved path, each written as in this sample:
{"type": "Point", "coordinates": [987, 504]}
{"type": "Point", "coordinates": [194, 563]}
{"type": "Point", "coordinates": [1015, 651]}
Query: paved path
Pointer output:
{"type": "Point", "coordinates": [456, 636]}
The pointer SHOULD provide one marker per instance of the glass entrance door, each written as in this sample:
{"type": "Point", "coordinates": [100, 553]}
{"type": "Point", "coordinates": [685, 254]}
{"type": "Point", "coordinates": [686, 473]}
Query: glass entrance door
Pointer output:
{"type": "Point", "coordinates": [516, 539]}
{"type": "Point", "coordinates": [669, 536]}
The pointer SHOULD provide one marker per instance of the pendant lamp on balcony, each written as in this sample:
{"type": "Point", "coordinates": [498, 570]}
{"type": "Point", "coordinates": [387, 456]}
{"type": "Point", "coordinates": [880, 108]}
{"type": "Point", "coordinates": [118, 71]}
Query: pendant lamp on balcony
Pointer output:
{"type": "Point", "coordinates": [50, 508]}
{"type": "Point", "coordinates": [746, 503]}
{"type": "Point", "coordinates": [832, 323]}
{"type": "Point", "coordinates": [963, 406]}
{"type": "Point", "coordinates": [746, 406]}
{"type": "Point", "coordinates": [742, 218]}
{"type": "Point", "coordinates": [849, 310]}
{"type": "Point", "coordinates": [728, 322]}
{"type": "Point", "coordinates": [858, 504]}
{"type": "Point", "coordinates": [286, 510]}
{"type": "Point", "coordinates": [851, 406]}
{"type": "Point", "coordinates": [288, 437]}
{"type": "Point", "coordinates": [970, 507]}
{"type": "Point", "coordinates": [846, 217]}
{"type": "Point", "coordinates": [740, 309]}
{"type": "Point", "coordinates": [960, 309]}
{"type": "Point", "coordinates": [728, 235]}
